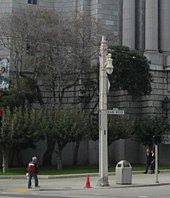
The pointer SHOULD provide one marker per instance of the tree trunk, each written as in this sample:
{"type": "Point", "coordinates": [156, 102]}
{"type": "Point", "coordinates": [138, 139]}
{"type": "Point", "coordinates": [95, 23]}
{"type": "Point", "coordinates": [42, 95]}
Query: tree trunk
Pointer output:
{"type": "Point", "coordinates": [47, 158]}
{"type": "Point", "coordinates": [19, 158]}
{"type": "Point", "coordinates": [11, 157]}
{"type": "Point", "coordinates": [59, 157]}
{"type": "Point", "coordinates": [4, 160]}
{"type": "Point", "coordinates": [76, 150]}
{"type": "Point", "coordinates": [15, 158]}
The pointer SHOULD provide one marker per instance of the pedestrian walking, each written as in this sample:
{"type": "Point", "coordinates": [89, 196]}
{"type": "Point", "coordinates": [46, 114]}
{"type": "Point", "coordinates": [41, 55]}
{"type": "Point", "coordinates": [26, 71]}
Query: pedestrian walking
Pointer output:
{"type": "Point", "coordinates": [148, 160]}
{"type": "Point", "coordinates": [32, 170]}
{"type": "Point", "coordinates": [152, 161]}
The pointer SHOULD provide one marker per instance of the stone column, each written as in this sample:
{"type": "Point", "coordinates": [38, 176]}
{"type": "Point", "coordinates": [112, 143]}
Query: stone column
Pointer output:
{"type": "Point", "coordinates": [140, 25]}
{"type": "Point", "coordinates": [129, 23]}
{"type": "Point", "coordinates": [165, 26]}
{"type": "Point", "coordinates": [151, 25]}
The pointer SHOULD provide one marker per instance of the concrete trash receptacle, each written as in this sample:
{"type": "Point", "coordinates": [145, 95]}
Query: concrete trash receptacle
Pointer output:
{"type": "Point", "coordinates": [123, 172]}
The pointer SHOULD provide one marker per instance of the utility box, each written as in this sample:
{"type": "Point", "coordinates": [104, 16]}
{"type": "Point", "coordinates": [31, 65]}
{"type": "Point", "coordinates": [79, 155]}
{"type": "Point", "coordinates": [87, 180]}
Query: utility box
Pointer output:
{"type": "Point", "coordinates": [123, 172]}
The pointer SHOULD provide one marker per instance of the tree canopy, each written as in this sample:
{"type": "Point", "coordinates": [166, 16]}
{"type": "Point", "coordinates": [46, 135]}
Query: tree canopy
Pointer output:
{"type": "Point", "coordinates": [144, 130]}
{"type": "Point", "coordinates": [20, 130]}
{"type": "Point", "coordinates": [51, 47]}
{"type": "Point", "coordinates": [131, 72]}
{"type": "Point", "coordinates": [63, 126]}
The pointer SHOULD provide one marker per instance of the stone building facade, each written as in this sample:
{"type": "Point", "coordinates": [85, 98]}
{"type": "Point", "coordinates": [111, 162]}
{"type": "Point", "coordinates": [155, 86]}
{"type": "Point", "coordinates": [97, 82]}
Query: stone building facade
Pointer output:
{"type": "Point", "coordinates": [138, 24]}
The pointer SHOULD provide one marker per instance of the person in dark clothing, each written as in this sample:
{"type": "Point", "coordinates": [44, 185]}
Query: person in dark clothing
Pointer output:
{"type": "Point", "coordinates": [152, 162]}
{"type": "Point", "coordinates": [32, 170]}
{"type": "Point", "coordinates": [148, 160]}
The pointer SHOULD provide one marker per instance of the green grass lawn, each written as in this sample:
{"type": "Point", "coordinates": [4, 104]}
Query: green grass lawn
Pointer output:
{"type": "Point", "coordinates": [52, 170]}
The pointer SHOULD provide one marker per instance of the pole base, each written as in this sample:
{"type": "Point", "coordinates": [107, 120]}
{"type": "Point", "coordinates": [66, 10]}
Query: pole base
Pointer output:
{"type": "Point", "coordinates": [103, 181]}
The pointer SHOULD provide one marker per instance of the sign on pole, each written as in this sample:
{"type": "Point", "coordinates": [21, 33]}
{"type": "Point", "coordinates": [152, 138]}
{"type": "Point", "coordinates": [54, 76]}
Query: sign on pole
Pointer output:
{"type": "Point", "coordinates": [116, 111]}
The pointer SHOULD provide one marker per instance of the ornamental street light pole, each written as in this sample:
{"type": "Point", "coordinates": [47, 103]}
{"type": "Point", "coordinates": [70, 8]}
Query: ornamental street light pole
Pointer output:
{"type": "Point", "coordinates": [105, 67]}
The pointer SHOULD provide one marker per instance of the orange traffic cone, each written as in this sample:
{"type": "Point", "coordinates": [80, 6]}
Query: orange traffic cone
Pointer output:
{"type": "Point", "coordinates": [87, 182]}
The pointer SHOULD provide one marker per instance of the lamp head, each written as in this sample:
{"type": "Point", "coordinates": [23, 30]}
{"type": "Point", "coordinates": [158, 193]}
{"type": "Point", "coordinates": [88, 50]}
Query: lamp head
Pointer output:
{"type": "Point", "coordinates": [109, 66]}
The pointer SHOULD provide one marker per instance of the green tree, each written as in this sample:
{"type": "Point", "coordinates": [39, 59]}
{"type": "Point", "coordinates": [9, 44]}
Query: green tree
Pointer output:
{"type": "Point", "coordinates": [88, 91]}
{"type": "Point", "coordinates": [144, 130]}
{"type": "Point", "coordinates": [63, 126]}
{"type": "Point", "coordinates": [81, 130]}
{"type": "Point", "coordinates": [60, 51]}
{"type": "Point", "coordinates": [20, 130]}
{"type": "Point", "coordinates": [131, 72]}
{"type": "Point", "coordinates": [119, 127]}
{"type": "Point", "coordinates": [23, 96]}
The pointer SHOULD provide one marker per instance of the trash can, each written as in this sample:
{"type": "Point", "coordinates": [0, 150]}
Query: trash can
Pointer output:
{"type": "Point", "coordinates": [123, 172]}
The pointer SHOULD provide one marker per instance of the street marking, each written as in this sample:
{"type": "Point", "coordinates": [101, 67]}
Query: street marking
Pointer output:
{"type": "Point", "coordinates": [19, 190]}
{"type": "Point", "coordinates": [143, 196]}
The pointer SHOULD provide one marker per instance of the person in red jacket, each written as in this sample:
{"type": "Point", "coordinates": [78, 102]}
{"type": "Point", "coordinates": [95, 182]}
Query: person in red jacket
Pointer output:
{"type": "Point", "coordinates": [32, 170]}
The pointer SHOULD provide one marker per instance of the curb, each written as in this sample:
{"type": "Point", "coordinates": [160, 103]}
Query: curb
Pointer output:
{"type": "Point", "coordinates": [68, 175]}
{"type": "Point", "coordinates": [141, 185]}
{"type": "Point", "coordinates": [105, 187]}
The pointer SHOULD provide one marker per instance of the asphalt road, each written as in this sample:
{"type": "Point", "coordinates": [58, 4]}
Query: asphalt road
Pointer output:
{"type": "Point", "coordinates": [135, 192]}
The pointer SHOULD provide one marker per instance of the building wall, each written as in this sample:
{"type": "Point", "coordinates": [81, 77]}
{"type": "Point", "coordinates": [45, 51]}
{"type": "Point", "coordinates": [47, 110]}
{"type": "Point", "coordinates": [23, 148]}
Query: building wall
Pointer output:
{"type": "Point", "coordinates": [5, 7]}
{"type": "Point", "coordinates": [89, 153]}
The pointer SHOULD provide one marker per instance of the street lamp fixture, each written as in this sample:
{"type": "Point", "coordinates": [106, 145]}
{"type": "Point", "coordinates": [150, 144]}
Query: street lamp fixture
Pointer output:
{"type": "Point", "coordinates": [106, 67]}
{"type": "Point", "coordinates": [109, 66]}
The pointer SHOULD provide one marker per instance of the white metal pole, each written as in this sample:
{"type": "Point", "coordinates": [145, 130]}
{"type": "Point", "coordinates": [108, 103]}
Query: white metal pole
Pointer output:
{"type": "Point", "coordinates": [103, 142]}
{"type": "Point", "coordinates": [4, 161]}
{"type": "Point", "coordinates": [156, 163]}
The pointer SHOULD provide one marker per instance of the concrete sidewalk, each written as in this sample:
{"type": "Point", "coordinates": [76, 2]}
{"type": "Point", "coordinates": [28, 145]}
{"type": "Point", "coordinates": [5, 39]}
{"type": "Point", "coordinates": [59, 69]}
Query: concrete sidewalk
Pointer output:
{"type": "Point", "coordinates": [138, 180]}
{"type": "Point", "coordinates": [65, 182]}
{"type": "Point", "coordinates": [141, 180]}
